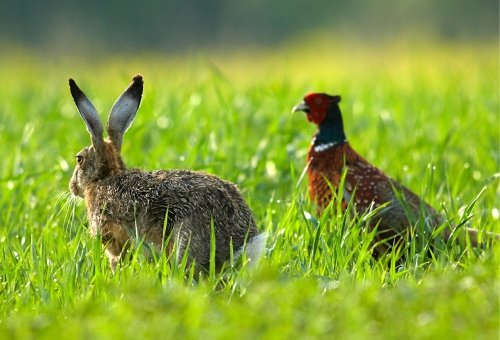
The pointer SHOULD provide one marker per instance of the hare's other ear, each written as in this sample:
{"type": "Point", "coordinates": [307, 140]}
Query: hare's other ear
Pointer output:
{"type": "Point", "coordinates": [89, 115]}
{"type": "Point", "coordinates": [124, 111]}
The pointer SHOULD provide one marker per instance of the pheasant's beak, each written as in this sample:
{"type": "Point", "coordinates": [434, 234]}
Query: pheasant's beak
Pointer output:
{"type": "Point", "coordinates": [301, 107]}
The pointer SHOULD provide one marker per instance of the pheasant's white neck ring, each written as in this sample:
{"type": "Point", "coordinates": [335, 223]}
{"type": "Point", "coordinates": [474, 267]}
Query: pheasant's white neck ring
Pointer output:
{"type": "Point", "coordinates": [325, 146]}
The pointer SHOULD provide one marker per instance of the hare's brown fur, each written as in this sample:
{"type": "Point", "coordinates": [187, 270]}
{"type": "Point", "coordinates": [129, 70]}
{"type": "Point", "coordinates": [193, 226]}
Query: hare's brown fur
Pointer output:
{"type": "Point", "coordinates": [187, 201]}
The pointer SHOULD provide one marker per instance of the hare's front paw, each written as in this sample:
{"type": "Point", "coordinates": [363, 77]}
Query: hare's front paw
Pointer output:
{"type": "Point", "coordinates": [113, 261]}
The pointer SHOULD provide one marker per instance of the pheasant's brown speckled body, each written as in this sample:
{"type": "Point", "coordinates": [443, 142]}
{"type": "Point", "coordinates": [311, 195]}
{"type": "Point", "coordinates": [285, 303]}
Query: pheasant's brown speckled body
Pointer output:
{"type": "Point", "coordinates": [178, 206]}
{"type": "Point", "coordinates": [371, 188]}
{"type": "Point", "coordinates": [328, 156]}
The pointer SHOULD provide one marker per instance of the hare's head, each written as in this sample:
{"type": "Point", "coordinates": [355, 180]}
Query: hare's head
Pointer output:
{"type": "Point", "coordinates": [102, 159]}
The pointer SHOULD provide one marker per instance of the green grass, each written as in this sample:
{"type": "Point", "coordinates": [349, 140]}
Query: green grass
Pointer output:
{"type": "Point", "coordinates": [426, 114]}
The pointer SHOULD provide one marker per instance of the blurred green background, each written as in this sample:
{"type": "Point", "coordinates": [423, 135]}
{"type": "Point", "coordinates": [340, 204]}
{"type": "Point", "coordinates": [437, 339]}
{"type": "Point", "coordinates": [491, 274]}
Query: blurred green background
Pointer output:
{"type": "Point", "coordinates": [419, 82]}
{"type": "Point", "coordinates": [171, 26]}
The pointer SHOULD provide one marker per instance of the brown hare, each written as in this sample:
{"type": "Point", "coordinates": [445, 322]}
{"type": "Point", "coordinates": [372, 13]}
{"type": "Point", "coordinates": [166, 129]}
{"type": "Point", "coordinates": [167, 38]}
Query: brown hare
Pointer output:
{"type": "Point", "coordinates": [178, 206]}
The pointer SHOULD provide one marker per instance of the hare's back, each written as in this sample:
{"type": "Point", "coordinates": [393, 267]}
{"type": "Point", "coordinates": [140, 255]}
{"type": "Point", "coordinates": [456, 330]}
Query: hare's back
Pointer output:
{"type": "Point", "coordinates": [183, 193]}
{"type": "Point", "coordinates": [189, 181]}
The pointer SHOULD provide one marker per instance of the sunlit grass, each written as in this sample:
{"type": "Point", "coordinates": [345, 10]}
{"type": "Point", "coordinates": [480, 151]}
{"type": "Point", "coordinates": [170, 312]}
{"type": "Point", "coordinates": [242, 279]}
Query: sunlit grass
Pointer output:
{"type": "Point", "coordinates": [426, 114]}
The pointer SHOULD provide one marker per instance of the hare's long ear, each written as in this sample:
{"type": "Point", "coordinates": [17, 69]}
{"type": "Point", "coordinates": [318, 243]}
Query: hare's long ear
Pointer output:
{"type": "Point", "coordinates": [89, 115]}
{"type": "Point", "coordinates": [123, 112]}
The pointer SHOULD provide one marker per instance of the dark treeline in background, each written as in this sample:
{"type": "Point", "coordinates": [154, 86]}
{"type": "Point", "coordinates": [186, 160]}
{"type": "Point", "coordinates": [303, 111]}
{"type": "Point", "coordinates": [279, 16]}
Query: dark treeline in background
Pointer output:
{"type": "Point", "coordinates": [176, 25]}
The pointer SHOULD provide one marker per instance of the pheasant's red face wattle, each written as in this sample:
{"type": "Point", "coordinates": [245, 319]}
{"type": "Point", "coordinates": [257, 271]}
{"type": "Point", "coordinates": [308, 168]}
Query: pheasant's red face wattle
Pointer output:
{"type": "Point", "coordinates": [318, 105]}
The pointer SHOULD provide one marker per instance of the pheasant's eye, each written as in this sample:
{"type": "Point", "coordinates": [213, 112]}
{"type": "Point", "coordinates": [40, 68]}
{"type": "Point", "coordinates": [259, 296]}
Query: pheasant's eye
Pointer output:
{"type": "Point", "coordinates": [79, 159]}
{"type": "Point", "coordinates": [318, 101]}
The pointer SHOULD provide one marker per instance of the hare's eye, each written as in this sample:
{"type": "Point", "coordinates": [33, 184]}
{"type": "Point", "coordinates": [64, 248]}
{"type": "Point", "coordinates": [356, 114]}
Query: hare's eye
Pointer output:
{"type": "Point", "coordinates": [79, 159]}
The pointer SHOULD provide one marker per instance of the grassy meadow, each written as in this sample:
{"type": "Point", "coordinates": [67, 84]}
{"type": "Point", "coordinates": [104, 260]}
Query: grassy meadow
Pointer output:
{"type": "Point", "coordinates": [427, 114]}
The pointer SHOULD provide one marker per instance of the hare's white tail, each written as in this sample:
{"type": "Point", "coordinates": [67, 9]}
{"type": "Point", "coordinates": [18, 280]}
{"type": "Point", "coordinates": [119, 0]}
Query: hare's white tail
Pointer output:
{"type": "Point", "coordinates": [253, 250]}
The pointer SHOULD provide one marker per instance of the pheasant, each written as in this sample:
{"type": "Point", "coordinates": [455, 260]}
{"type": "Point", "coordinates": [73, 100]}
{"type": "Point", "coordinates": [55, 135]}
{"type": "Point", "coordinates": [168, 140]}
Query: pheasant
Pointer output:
{"type": "Point", "coordinates": [330, 154]}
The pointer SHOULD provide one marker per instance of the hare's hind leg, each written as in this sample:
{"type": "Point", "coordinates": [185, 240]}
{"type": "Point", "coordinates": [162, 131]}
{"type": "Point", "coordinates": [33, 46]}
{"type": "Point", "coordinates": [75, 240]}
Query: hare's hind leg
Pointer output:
{"type": "Point", "coordinates": [116, 240]}
{"type": "Point", "coordinates": [194, 246]}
